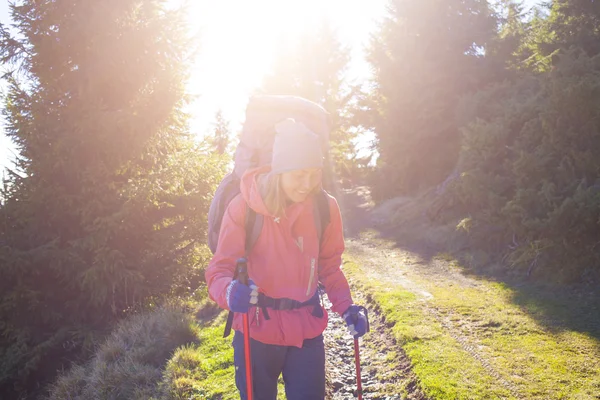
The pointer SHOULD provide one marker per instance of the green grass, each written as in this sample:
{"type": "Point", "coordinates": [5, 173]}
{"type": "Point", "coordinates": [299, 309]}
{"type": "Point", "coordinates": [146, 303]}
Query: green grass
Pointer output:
{"type": "Point", "coordinates": [204, 370]}
{"type": "Point", "coordinates": [128, 365]}
{"type": "Point", "coordinates": [165, 354]}
{"type": "Point", "coordinates": [542, 362]}
{"type": "Point", "coordinates": [484, 341]}
{"type": "Point", "coordinates": [437, 359]}
{"type": "Point", "coordinates": [499, 325]}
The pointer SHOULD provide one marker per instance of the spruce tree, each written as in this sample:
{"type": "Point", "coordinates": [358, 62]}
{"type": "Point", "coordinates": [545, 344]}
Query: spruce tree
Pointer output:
{"type": "Point", "coordinates": [106, 212]}
{"type": "Point", "coordinates": [573, 23]}
{"type": "Point", "coordinates": [529, 171]}
{"type": "Point", "coordinates": [425, 56]}
{"type": "Point", "coordinates": [558, 27]}
{"type": "Point", "coordinates": [221, 136]}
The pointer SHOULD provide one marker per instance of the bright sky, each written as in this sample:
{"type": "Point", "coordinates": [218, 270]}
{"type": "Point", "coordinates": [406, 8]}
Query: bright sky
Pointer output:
{"type": "Point", "coordinates": [238, 41]}
{"type": "Point", "coordinates": [240, 37]}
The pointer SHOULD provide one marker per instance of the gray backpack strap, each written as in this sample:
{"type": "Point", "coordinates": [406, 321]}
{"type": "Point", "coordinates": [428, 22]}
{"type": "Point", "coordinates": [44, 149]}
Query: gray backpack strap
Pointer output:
{"type": "Point", "coordinates": [322, 216]}
{"type": "Point", "coordinates": [228, 189]}
{"type": "Point", "coordinates": [321, 213]}
{"type": "Point", "coordinates": [254, 224]}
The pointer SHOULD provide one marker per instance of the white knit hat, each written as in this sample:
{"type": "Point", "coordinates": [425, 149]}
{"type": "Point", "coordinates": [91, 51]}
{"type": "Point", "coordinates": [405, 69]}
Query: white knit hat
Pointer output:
{"type": "Point", "coordinates": [295, 147]}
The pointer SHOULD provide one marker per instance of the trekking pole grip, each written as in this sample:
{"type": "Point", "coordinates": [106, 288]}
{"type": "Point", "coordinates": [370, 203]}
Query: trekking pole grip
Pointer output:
{"type": "Point", "coordinates": [364, 310]}
{"type": "Point", "coordinates": [242, 271]}
{"type": "Point", "coordinates": [241, 274]}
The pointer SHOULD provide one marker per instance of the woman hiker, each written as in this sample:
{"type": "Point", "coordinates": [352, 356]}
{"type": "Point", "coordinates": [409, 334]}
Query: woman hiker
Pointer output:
{"type": "Point", "coordinates": [285, 266]}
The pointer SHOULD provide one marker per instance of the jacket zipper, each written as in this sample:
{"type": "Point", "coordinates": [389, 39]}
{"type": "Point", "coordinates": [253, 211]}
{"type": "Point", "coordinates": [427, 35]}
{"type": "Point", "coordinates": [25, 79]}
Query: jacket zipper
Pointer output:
{"type": "Point", "coordinates": [312, 275]}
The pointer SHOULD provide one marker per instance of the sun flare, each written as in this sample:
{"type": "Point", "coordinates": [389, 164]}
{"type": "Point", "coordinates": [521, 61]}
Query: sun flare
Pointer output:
{"type": "Point", "coordinates": [239, 39]}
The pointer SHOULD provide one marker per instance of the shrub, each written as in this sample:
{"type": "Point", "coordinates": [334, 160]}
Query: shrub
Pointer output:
{"type": "Point", "coordinates": [530, 171]}
{"type": "Point", "coordinates": [129, 364]}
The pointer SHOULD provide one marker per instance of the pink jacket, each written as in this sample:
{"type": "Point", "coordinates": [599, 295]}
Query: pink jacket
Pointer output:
{"type": "Point", "coordinates": [285, 262]}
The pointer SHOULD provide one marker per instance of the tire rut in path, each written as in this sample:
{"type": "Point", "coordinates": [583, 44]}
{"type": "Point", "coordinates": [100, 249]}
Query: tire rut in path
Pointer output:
{"type": "Point", "coordinates": [384, 261]}
{"type": "Point", "coordinates": [467, 346]}
{"type": "Point", "coordinates": [388, 264]}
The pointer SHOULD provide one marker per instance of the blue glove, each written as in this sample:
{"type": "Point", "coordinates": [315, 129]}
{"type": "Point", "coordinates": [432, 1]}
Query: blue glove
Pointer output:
{"type": "Point", "coordinates": [240, 297]}
{"type": "Point", "coordinates": [357, 320]}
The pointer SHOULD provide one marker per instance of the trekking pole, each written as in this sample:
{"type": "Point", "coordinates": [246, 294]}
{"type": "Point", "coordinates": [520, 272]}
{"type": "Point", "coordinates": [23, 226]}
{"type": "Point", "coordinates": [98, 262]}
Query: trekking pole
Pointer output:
{"type": "Point", "coordinates": [359, 390]}
{"type": "Point", "coordinates": [242, 273]}
{"type": "Point", "coordinates": [357, 362]}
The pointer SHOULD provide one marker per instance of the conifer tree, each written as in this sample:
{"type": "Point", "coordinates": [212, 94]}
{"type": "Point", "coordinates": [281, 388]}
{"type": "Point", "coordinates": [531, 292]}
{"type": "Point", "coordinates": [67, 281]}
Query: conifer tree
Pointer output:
{"type": "Point", "coordinates": [529, 171]}
{"type": "Point", "coordinates": [572, 23]}
{"type": "Point", "coordinates": [107, 212]}
{"type": "Point", "coordinates": [221, 138]}
{"type": "Point", "coordinates": [425, 56]}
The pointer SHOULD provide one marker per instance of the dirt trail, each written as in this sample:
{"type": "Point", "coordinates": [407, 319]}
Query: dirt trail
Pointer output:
{"type": "Point", "coordinates": [378, 349]}
{"type": "Point", "coordinates": [383, 261]}
{"type": "Point", "coordinates": [376, 353]}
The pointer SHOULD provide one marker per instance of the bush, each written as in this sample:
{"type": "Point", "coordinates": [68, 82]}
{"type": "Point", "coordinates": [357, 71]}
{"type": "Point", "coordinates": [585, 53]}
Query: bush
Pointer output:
{"type": "Point", "coordinates": [129, 364]}
{"type": "Point", "coordinates": [530, 171]}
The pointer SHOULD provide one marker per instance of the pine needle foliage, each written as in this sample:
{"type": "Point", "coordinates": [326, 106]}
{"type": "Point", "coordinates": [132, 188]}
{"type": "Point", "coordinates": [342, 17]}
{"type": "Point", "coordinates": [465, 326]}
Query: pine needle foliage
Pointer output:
{"type": "Point", "coordinates": [530, 170]}
{"type": "Point", "coordinates": [105, 211]}
{"type": "Point", "coordinates": [425, 56]}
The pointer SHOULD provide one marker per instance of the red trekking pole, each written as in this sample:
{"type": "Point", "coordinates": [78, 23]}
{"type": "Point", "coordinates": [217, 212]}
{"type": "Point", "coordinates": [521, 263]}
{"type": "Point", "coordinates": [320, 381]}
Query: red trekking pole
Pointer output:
{"type": "Point", "coordinates": [242, 276]}
{"type": "Point", "coordinates": [357, 362]}
{"type": "Point", "coordinates": [359, 390]}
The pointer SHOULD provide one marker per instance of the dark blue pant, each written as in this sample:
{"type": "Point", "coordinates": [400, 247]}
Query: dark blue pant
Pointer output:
{"type": "Point", "coordinates": [303, 369]}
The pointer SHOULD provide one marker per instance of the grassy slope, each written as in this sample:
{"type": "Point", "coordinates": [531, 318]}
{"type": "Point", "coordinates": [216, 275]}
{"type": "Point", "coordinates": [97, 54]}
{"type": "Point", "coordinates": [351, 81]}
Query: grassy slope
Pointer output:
{"type": "Point", "coordinates": [485, 341]}
{"type": "Point", "coordinates": [481, 342]}
{"type": "Point", "coordinates": [129, 364]}
{"type": "Point", "coordinates": [165, 354]}
{"type": "Point", "coordinates": [522, 358]}
{"type": "Point", "coordinates": [204, 370]}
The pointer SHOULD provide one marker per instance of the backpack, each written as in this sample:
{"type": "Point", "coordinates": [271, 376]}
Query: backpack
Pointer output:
{"type": "Point", "coordinates": [255, 149]}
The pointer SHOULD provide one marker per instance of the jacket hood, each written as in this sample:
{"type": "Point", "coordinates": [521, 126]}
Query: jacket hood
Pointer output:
{"type": "Point", "coordinates": [251, 191]}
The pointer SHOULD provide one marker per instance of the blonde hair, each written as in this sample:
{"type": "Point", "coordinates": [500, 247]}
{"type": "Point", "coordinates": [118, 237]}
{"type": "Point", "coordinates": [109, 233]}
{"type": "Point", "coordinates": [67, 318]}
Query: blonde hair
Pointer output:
{"type": "Point", "coordinates": [272, 194]}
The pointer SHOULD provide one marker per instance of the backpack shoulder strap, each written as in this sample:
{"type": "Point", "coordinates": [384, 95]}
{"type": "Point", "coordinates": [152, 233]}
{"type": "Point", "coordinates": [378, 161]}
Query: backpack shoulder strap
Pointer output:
{"type": "Point", "coordinates": [254, 223]}
{"type": "Point", "coordinates": [321, 213]}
